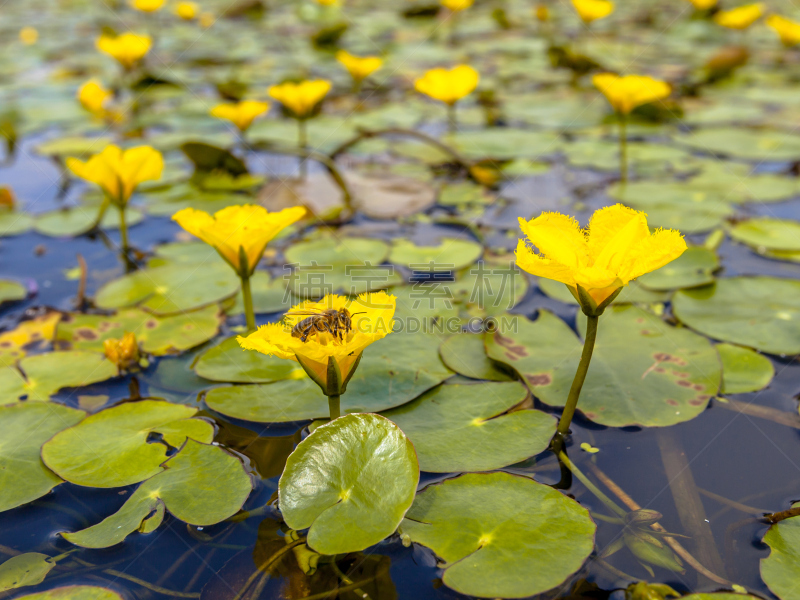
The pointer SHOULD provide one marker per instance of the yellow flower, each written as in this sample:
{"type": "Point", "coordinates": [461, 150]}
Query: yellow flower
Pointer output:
{"type": "Point", "coordinates": [591, 10]}
{"type": "Point", "coordinates": [542, 13]}
{"type": "Point", "coordinates": [615, 248]}
{"type": "Point", "coordinates": [241, 114]}
{"type": "Point", "coordinates": [187, 10]}
{"type": "Point", "coordinates": [128, 48]}
{"type": "Point", "coordinates": [147, 5]}
{"type": "Point", "coordinates": [741, 17]}
{"type": "Point", "coordinates": [448, 86]}
{"type": "Point", "coordinates": [328, 2]}
{"type": "Point", "coordinates": [787, 30]}
{"type": "Point", "coordinates": [93, 96]}
{"type": "Point", "coordinates": [457, 5]}
{"type": "Point", "coordinates": [359, 68]}
{"type": "Point", "coordinates": [372, 318]}
{"type": "Point", "coordinates": [28, 35]}
{"type": "Point", "coordinates": [207, 19]}
{"type": "Point", "coordinates": [626, 93]}
{"type": "Point", "coordinates": [119, 172]}
{"type": "Point", "coordinates": [301, 98]}
{"type": "Point", "coordinates": [238, 232]}
{"type": "Point", "coordinates": [704, 4]}
{"type": "Point", "coordinates": [124, 353]}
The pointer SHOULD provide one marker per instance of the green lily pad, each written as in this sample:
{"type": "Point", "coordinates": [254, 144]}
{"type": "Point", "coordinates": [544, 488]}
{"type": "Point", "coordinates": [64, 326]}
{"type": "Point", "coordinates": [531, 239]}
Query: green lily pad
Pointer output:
{"type": "Point", "coordinates": [350, 481]}
{"type": "Point", "coordinates": [269, 296]}
{"type": "Point", "coordinates": [463, 194]}
{"type": "Point", "coordinates": [338, 252]}
{"type": "Point", "coordinates": [505, 143]}
{"type": "Point", "coordinates": [501, 535]}
{"type": "Point", "coordinates": [24, 569]}
{"type": "Point", "coordinates": [72, 222]}
{"type": "Point", "coordinates": [781, 569]}
{"type": "Point", "coordinates": [693, 268]}
{"type": "Point", "coordinates": [473, 427]}
{"type": "Point", "coordinates": [452, 254]}
{"type": "Point", "coordinates": [26, 426]}
{"type": "Point", "coordinates": [229, 362]}
{"type": "Point", "coordinates": [643, 157]}
{"type": "Point", "coordinates": [643, 371]}
{"type": "Point", "coordinates": [465, 354]}
{"type": "Point", "coordinates": [744, 370]}
{"type": "Point", "coordinates": [75, 592]}
{"type": "Point", "coordinates": [426, 303]}
{"type": "Point", "coordinates": [758, 312]}
{"type": "Point", "coordinates": [765, 233]}
{"type": "Point", "coordinates": [157, 335]}
{"type": "Point", "coordinates": [11, 291]}
{"type": "Point", "coordinates": [170, 289]}
{"type": "Point", "coordinates": [14, 223]}
{"type": "Point", "coordinates": [633, 293]}
{"type": "Point", "coordinates": [200, 485]}
{"type": "Point", "coordinates": [73, 146]}
{"type": "Point", "coordinates": [45, 374]}
{"type": "Point", "coordinates": [744, 143]}
{"type": "Point", "coordinates": [111, 448]}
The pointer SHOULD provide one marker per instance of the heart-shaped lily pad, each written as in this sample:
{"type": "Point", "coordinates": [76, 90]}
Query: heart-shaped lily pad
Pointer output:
{"type": "Point", "coordinates": [781, 569]}
{"type": "Point", "coordinates": [71, 222]}
{"type": "Point", "coordinates": [744, 143]}
{"type": "Point", "coordinates": [26, 426]}
{"type": "Point", "coordinates": [350, 481]}
{"type": "Point", "coordinates": [501, 535]}
{"type": "Point", "coordinates": [744, 370]}
{"type": "Point", "coordinates": [11, 291]}
{"type": "Point", "coordinates": [393, 371]}
{"type": "Point", "coordinates": [200, 485]}
{"type": "Point", "coordinates": [230, 362]}
{"type": "Point", "coordinates": [472, 427]}
{"type": "Point", "coordinates": [157, 335]}
{"type": "Point", "coordinates": [14, 222]}
{"type": "Point", "coordinates": [693, 268]}
{"type": "Point", "coordinates": [171, 288]}
{"type": "Point", "coordinates": [75, 592]}
{"type": "Point", "coordinates": [643, 371]}
{"type": "Point", "coordinates": [33, 335]}
{"type": "Point", "coordinates": [768, 234]}
{"type": "Point", "coordinates": [759, 312]}
{"type": "Point", "coordinates": [466, 355]}
{"type": "Point", "coordinates": [44, 374]}
{"type": "Point", "coordinates": [24, 569]}
{"type": "Point", "coordinates": [124, 444]}
{"type": "Point", "coordinates": [450, 253]}
{"type": "Point", "coordinates": [506, 143]}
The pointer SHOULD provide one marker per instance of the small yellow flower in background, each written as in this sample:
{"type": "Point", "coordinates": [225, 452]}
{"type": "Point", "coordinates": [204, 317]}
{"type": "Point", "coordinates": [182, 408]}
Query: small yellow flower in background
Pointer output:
{"type": "Point", "coordinates": [587, 447]}
{"type": "Point", "coordinates": [323, 354]}
{"type": "Point", "coordinates": [8, 201]}
{"type": "Point", "coordinates": [301, 98]}
{"type": "Point", "coordinates": [704, 4]}
{"type": "Point", "coordinates": [542, 13]}
{"type": "Point", "coordinates": [741, 17]}
{"type": "Point", "coordinates": [328, 2]}
{"type": "Point", "coordinates": [592, 10]}
{"type": "Point", "coordinates": [626, 93]}
{"type": "Point", "coordinates": [787, 30]}
{"type": "Point", "coordinates": [448, 86]}
{"type": "Point", "coordinates": [128, 48]}
{"type": "Point", "coordinates": [93, 96]}
{"type": "Point", "coordinates": [238, 233]}
{"type": "Point", "coordinates": [119, 172]}
{"type": "Point", "coordinates": [242, 114]}
{"type": "Point", "coordinates": [187, 10]}
{"type": "Point", "coordinates": [457, 5]}
{"type": "Point", "coordinates": [147, 5]}
{"type": "Point", "coordinates": [124, 353]}
{"type": "Point", "coordinates": [358, 67]}
{"type": "Point", "coordinates": [207, 19]}
{"type": "Point", "coordinates": [28, 35]}
{"type": "Point", "coordinates": [600, 260]}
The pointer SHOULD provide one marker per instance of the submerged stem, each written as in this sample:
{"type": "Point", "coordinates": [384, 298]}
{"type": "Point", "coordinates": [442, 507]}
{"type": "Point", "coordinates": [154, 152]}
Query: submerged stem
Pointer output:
{"type": "Point", "coordinates": [302, 143]}
{"type": "Point", "coordinates": [334, 405]}
{"type": "Point", "coordinates": [452, 119]}
{"type": "Point", "coordinates": [562, 456]}
{"type": "Point", "coordinates": [580, 376]}
{"type": "Point", "coordinates": [247, 297]}
{"type": "Point", "coordinates": [623, 148]}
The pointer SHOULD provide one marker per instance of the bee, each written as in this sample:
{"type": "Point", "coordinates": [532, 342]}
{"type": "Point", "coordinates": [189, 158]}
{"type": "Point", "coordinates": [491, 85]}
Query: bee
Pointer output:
{"type": "Point", "coordinates": [336, 322]}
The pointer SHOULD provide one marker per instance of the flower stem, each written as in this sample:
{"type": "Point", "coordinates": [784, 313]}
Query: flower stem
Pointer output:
{"type": "Point", "coordinates": [452, 119]}
{"type": "Point", "coordinates": [302, 142]}
{"type": "Point", "coordinates": [334, 403]}
{"type": "Point", "coordinates": [623, 148]}
{"type": "Point", "coordinates": [612, 506]}
{"type": "Point", "coordinates": [123, 235]}
{"type": "Point", "coordinates": [247, 296]}
{"type": "Point", "coordinates": [580, 376]}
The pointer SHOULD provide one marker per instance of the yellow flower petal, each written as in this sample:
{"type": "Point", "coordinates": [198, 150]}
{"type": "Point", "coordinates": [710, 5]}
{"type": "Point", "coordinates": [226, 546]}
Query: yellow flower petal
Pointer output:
{"type": "Point", "coordinates": [301, 98]}
{"type": "Point", "coordinates": [187, 10]}
{"type": "Point", "coordinates": [242, 114]}
{"type": "Point", "coordinates": [448, 86]}
{"type": "Point", "coordinates": [558, 237]}
{"type": "Point", "coordinates": [543, 267]}
{"type": "Point", "coordinates": [704, 4]}
{"type": "Point", "coordinates": [457, 5]}
{"type": "Point", "coordinates": [128, 48]}
{"type": "Point", "coordinates": [93, 96]}
{"type": "Point", "coordinates": [359, 68]}
{"type": "Point", "coordinates": [741, 17]}
{"type": "Point", "coordinates": [626, 93]}
{"type": "Point", "coordinates": [652, 253]}
{"type": "Point", "coordinates": [613, 231]}
{"type": "Point", "coordinates": [592, 10]}
{"type": "Point", "coordinates": [118, 173]}
{"type": "Point", "coordinates": [787, 30]}
{"type": "Point", "coordinates": [148, 5]}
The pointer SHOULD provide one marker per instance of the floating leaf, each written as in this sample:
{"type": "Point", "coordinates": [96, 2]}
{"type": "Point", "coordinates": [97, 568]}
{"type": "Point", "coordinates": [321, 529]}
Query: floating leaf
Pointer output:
{"type": "Point", "coordinates": [744, 370]}
{"type": "Point", "coordinates": [464, 194]}
{"type": "Point", "coordinates": [472, 427]}
{"type": "Point", "coordinates": [114, 447]}
{"type": "Point", "coordinates": [452, 254]}
{"type": "Point", "coordinates": [781, 569]}
{"type": "Point", "coordinates": [200, 485]}
{"type": "Point", "coordinates": [768, 234]}
{"type": "Point", "coordinates": [157, 335]}
{"type": "Point", "coordinates": [24, 569]}
{"type": "Point", "coordinates": [170, 289]}
{"type": "Point", "coordinates": [759, 312]}
{"type": "Point", "coordinates": [506, 143]}
{"type": "Point", "coordinates": [643, 371]}
{"type": "Point", "coordinates": [207, 158]}
{"type": "Point", "coordinates": [14, 223]}
{"type": "Point", "coordinates": [465, 354]}
{"type": "Point", "coordinates": [350, 481]}
{"type": "Point", "coordinates": [229, 362]}
{"type": "Point", "coordinates": [45, 374]}
{"type": "Point", "coordinates": [695, 267]}
{"type": "Point", "coordinates": [75, 592]}
{"type": "Point", "coordinates": [743, 143]}
{"type": "Point", "coordinates": [26, 426]}
{"type": "Point", "coordinates": [393, 371]}
{"type": "Point", "coordinates": [79, 147]}
{"type": "Point", "coordinates": [31, 335]}
{"type": "Point", "coordinates": [501, 535]}
{"type": "Point", "coordinates": [11, 291]}
{"type": "Point", "coordinates": [72, 222]}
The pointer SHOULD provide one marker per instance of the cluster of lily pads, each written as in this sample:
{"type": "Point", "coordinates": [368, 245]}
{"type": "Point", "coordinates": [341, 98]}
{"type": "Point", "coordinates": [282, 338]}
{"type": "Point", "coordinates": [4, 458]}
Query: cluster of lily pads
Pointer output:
{"type": "Point", "coordinates": [328, 214]}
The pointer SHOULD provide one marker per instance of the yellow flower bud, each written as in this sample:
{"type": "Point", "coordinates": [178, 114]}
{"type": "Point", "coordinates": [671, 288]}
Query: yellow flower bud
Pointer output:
{"type": "Point", "coordinates": [592, 10]}
{"type": "Point", "coordinates": [741, 17]}
{"type": "Point", "coordinates": [301, 98]}
{"type": "Point", "coordinates": [93, 96]}
{"type": "Point", "coordinates": [124, 353]}
{"type": "Point", "coordinates": [147, 5]}
{"type": "Point", "coordinates": [187, 10]}
{"type": "Point", "coordinates": [128, 49]}
{"type": "Point", "coordinates": [242, 114]}
{"type": "Point", "coordinates": [359, 68]}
